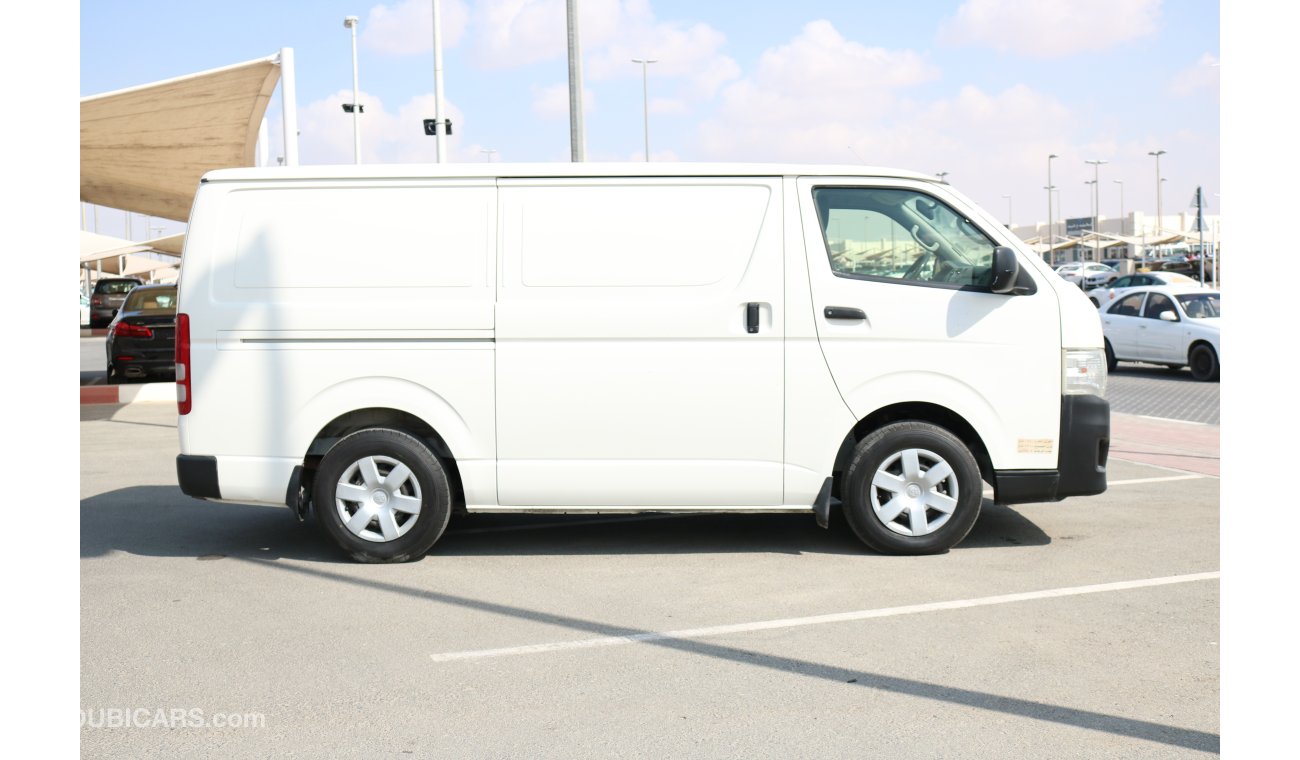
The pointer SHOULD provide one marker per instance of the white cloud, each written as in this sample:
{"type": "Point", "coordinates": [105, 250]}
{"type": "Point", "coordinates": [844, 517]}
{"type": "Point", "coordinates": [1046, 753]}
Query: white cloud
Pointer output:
{"type": "Point", "coordinates": [817, 78]}
{"type": "Point", "coordinates": [552, 102]}
{"type": "Point", "coordinates": [386, 136]}
{"type": "Point", "coordinates": [1050, 28]}
{"type": "Point", "coordinates": [1201, 76]}
{"type": "Point", "coordinates": [407, 28]}
{"type": "Point", "coordinates": [512, 33]}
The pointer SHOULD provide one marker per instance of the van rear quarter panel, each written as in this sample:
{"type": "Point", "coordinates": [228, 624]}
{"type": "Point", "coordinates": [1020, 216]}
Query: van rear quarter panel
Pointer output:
{"type": "Point", "coordinates": [321, 298]}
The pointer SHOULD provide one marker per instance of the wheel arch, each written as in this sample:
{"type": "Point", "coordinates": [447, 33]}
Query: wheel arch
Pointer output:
{"type": "Point", "coordinates": [383, 417]}
{"type": "Point", "coordinates": [920, 411]}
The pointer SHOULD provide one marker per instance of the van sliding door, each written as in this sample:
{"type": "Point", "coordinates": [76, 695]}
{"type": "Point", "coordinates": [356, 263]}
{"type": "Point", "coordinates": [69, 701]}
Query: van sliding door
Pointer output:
{"type": "Point", "coordinates": [639, 332]}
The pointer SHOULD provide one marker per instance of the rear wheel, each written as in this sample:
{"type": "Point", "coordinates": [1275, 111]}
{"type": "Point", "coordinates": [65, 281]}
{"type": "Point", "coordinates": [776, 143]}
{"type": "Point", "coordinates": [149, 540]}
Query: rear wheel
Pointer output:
{"type": "Point", "coordinates": [1111, 361]}
{"type": "Point", "coordinates": [382, 496]}
{"type": "Point", "coordinates": [1204, 363]}
{"type": "Point", "coordinates": [912, 488]}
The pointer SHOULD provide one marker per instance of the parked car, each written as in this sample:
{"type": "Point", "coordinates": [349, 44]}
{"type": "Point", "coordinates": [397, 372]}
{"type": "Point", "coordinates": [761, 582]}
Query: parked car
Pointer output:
{"type": "Point", "coordinates": [142, 338]}
{"type": "Point", "coordinates": [107, 298]}
{"type": "Point", "coordinates": [85, 309]}
{"type": "Point", "coordinates": [1089, 274]}
{"type": "Point", "coordinates": [1171, 325]}
{"type": "Point", "coordinates": [1178, 263]}
{"type": "Point", "coordinates": [1107, 293]}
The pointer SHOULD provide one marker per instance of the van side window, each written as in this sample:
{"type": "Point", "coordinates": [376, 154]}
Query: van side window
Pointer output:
{"type": "Point", "coordinates": [901, 235]}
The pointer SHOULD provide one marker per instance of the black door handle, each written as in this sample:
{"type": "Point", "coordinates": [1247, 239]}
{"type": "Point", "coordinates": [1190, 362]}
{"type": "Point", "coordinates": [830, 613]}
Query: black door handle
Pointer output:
{"type": "Point", "coordinates": [751, 317]}
{"type": "Point", "coordinates": [843, 312]}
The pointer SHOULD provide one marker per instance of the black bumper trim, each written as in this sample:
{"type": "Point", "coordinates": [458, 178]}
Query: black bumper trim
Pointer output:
{"type": "Point", "coordinates": [1081, 458]}
{"type": "Point", "coordinates": [198, 476]}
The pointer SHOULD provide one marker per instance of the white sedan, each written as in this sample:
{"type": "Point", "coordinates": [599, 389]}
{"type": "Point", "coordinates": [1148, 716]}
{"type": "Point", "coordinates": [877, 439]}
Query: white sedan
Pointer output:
{"type": "Point", "coordinates": [1170, 325]}
{"type": "Point", "coordinates": [1087, 274]}
{"type": "Point", "coordinates": [1121, 285]}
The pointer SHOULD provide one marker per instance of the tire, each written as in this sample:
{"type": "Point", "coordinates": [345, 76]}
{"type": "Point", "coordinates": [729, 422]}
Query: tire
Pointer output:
{"type": "Point", "coordinates": [1095, 302]}
{"type": "Point", "coordinates": [892, 503]}
{"type": "Point", "coordinates": [1204, 363]}
{"type": "Point", "coordinates": [1111, 361]}
{"type": "Point", "coordinates": [405, 517]}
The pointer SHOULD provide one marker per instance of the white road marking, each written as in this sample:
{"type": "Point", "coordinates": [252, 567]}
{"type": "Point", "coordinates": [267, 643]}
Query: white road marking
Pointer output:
{"type": "Point", "coordinates": [1135, 481]}
{"type": "Point", "coordinates": [1171, 419]}
{"type": "Point", "coordinates": [1161, 466]}
{"type": "Point", "coordinates": [840, 617]}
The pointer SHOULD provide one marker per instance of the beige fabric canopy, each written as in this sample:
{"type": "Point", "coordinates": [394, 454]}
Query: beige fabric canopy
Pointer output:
{"type": "Point", "coordinates": [144, 149]}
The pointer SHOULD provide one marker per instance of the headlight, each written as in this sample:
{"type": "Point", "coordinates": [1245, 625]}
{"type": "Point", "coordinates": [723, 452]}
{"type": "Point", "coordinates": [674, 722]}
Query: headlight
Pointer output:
{"type": "Point", "coordinates": [1083, 371]}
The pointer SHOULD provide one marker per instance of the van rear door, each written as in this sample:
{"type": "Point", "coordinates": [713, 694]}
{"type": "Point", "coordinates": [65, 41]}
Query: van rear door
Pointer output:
{"type": "Point", "coordinates": [640, 334]}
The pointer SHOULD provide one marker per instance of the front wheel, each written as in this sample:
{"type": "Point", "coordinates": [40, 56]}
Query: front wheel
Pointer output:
{"type": "Point", "coordinates": [1111, 361]}
{"type": "Point", "coordinates": [1204, 363]}
{"type": "Point", "coordinates": [382, 496]}
{"type": "Point", "coordinates": [912, 488]}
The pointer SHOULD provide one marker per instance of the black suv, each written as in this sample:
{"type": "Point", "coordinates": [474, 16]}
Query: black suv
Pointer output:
{"type": "Point", "coordinates": [107, 298]}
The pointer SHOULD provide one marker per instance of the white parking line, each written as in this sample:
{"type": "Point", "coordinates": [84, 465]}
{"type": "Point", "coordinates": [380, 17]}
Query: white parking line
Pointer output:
{"type": "Point", "coordinates": [1161, 467]}
{"type": "Point", "coordinates": [1135, 481]}
{"type": "Point", "coordinates": [841, 617]}
{"type": "Point", "coordinates": [1171, 419]}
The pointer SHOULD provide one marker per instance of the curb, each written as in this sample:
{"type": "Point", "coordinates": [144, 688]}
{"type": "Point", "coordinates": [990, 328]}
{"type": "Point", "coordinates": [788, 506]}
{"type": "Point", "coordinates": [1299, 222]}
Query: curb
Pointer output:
{"type": "Point", "coordinates": [128, 394]}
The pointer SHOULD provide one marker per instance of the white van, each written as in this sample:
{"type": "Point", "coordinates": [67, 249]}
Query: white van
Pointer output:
{"type": "Point", "coordinates": [386, 345]}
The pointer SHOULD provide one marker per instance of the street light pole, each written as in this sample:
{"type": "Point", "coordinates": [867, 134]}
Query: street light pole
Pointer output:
{"type": "Point", "coordinates": [1049, 189]}
{"type": "Point", "coordinates": [1096, 203]}
{"type": "Point", "coordinates": [577, 140]}
{"type": "Point", "coordinates": [1120, 182]}
{"type": "Point", "coordinates": [645, 100]}
{"type": "Point", "coordinates": [440, 127]}
{"type": "Point", "coordinates": [941, 176]}
{"type": "Point", "coordinates": [1008, 197]}
{"type": "Point", "coordinates": [351, 23]}
{"type": "Point", "coordinates": [1159, 208]}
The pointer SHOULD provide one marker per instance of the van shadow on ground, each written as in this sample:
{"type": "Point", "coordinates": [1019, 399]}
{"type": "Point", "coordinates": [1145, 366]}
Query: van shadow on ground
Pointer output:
{"type": "Point", "coordinates": [160, 521]}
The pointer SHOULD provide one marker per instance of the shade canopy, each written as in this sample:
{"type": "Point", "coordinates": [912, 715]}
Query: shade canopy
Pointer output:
{"type": "Point", "coordinates": [144, 149]}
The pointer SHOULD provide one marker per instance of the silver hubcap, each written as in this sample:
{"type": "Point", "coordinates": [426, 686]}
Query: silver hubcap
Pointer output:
{"type": "Point", "coordinates": [378, 498]}
{"type": "Point", "coordinates": [914, 492]}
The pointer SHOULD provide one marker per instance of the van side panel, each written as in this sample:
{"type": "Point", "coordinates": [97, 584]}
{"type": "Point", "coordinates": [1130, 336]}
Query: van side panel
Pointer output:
{"type": "Point", "coordinates": [626, 372]}
{"type": "Point", "coordinates": [312, 299]}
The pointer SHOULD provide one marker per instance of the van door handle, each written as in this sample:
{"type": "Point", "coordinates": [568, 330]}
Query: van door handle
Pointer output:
{"type": "Point", "coordinates": [751, 317]}
{"type": "Point", "coordinates": [843, 312]}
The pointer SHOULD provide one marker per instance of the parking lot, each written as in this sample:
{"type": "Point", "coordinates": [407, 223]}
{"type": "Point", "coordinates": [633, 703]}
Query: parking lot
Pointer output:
{"type": "Point", "coordinates": [1085, 628]}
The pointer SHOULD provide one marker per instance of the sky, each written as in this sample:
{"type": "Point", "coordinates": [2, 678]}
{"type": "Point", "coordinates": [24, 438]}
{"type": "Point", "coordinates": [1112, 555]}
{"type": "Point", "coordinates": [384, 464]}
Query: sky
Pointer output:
{"type": "Point", "coordinates": [983, 90]}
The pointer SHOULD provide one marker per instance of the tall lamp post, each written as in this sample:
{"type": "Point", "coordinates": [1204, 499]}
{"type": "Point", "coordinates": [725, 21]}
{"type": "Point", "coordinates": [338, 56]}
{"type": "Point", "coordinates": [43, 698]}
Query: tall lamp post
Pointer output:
{"type": "Point", "coordinates": [941, 176]}
{"type": "Point", "coordinates": [1051, 255]}
{"type": "Point", "coordinates": [1096, 202]}
{"type": "Point", "coordinates": [645, 100]}
{"type": "Point", "coordinates": [1008, 197]}
{"type": "Point", "coordinates": [355, 107]}
{"type": "Point", "coordinates": [1049, 190]}
{"type": "Point", "coordinates": [1120, 182]}
{"type": "Point", "coordinates": [1159, 208]}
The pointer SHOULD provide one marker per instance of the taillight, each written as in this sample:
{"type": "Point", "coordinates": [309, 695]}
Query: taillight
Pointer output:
{"type": "Point", "coordinates": [184, 399]}
{"type": "Point", "coordinates": [96, 301]}
{"type": "Point", "coordinates": [128, 330]}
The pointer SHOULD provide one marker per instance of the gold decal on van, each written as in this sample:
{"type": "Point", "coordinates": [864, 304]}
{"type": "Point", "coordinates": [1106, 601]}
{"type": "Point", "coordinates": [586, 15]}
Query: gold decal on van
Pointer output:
{"type": "Point", "coordinates": [1034, 446]}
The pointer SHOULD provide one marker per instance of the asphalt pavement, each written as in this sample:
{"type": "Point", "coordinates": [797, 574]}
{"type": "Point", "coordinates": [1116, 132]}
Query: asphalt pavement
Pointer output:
{"type": "Point", "coordinates": [1086, 628]}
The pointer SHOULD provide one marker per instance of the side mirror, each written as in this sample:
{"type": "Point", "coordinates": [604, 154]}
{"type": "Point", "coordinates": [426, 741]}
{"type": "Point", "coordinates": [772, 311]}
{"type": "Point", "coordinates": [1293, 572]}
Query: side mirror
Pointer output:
{"type": "Point", "coordinates": [1168, 316]}
{"type": "Point", "coordinates": [1006, 270]}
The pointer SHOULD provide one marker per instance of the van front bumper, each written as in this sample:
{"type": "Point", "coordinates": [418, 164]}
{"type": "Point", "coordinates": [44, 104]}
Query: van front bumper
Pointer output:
{"type": "Point", "coordinates": [1081, 458]}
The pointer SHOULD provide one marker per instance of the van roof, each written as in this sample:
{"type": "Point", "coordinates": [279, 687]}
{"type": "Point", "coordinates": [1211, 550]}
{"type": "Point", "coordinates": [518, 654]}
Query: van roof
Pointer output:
{"type": "Point", "coordinates": [544, 170]}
